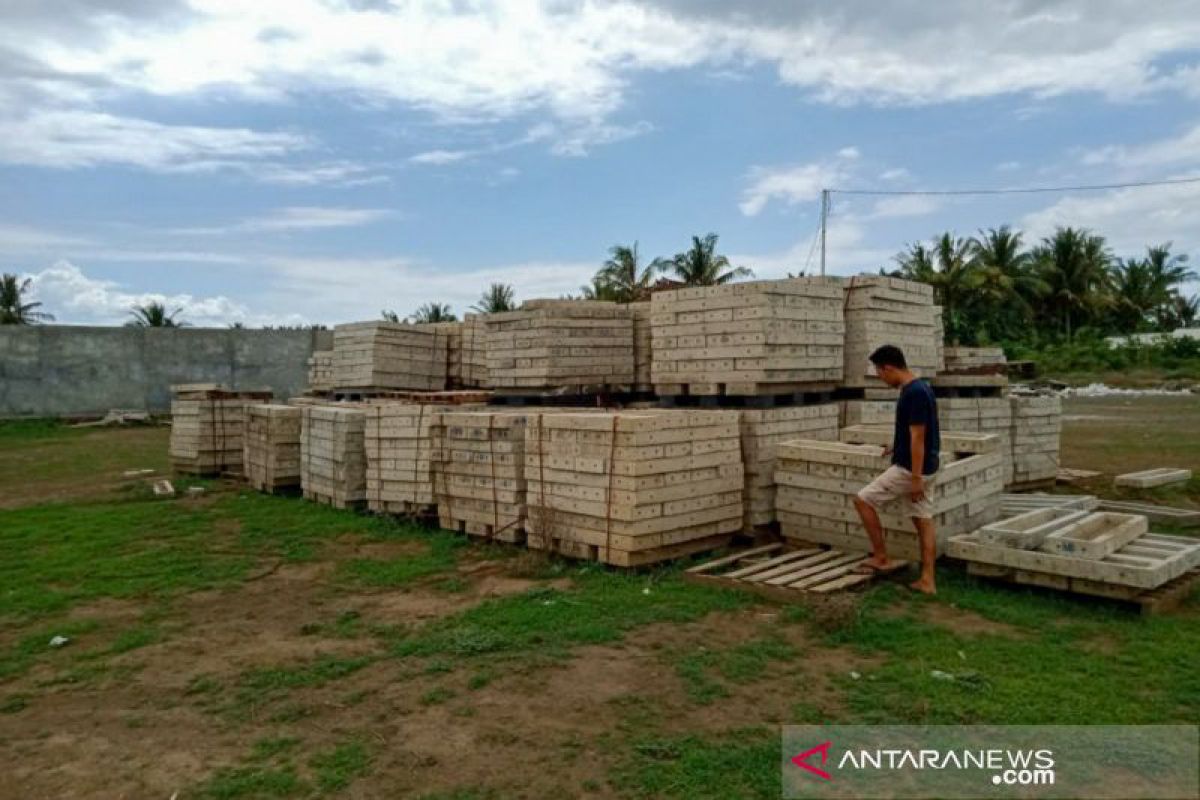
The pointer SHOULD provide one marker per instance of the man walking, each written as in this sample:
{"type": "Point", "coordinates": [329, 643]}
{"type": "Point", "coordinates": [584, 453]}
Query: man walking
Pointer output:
{"type": "Point", "coordinates": [916, 445]}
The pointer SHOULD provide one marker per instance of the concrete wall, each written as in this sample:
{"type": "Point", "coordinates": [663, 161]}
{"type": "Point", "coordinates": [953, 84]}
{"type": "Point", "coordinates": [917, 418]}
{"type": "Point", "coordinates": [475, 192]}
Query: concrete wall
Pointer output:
{"type": "Point", "coordinates": [65, 370]}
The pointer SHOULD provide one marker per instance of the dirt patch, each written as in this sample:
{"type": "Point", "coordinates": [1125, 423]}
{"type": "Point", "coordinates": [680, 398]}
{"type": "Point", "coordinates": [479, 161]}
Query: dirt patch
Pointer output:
{"type": "Point", "coordinates": [967, 623]}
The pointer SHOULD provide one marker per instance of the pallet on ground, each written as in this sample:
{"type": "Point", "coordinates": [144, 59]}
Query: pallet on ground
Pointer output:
{"type": "Point", "coordinates": [1152, 478]}
{"type": "Point", "coordinates": [333, 459]}
{"type": "Point", "coordinates": [881, 310]}
{"type": "Point", "coordinates": [747, 338]}
{"type": "Point", "coordinates": [633, 487]}
{"type": "Point", "coordinates": [1159, 600]}
{"type": "Point", "coordinates": [761, 431]}
{"type": "Point", "coordinates": [389, 355]}
{"type": "Point", "coordinates": [817, 483]}
{"type": "Point", "coordinates": [271, 450]}
{"type": "Point", "coordinates": [558, 343]}
{"type": "Point", "coordinates": [1147, 562]}
{"type": "Point", "coordinates": [779, 572]}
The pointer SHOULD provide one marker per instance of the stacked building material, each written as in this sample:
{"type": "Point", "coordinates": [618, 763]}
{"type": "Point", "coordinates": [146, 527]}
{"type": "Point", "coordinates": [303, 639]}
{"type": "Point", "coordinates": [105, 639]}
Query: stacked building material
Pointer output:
{"type": "Point", "coordinates": [550, 344]}
{"type": "Point", "coordinates": [320, 371]}
{"type": "Point", "coordinates": [817, 482]}
{"type": "Point", "coordinates": [642, 347]}
{"type": "Point", "coordinates": [207, 426]}
{"type": "Point", "coordinates": [868, 412]}
{"type": "Point", "coordinates": [633, 487]}
{"type": "Point", "coordinates": [747, 338]}
{"type": "Point", "coordinates": [882, 310]}
{"type": "Point", "coordinates": [479, 481]}
{"type": "Point", "coordinates": [980, 415]}
{"type": "Point", "coordinates": [271, 455]}
{"type": "Point", "coordinates": [1036, 426]}
{"type": "Point", "coordinates": [333, 458]}
{"type": "Point", "coordinates": [963, 360]}
{"type": "Point", "coordinates": [453, 334]}
{"type": "Point", "coordinates": [474, 352]}
{"type": "Point", "coordinates": [401, 442]}
{"type": "Point", "coordinates": [389, 355]}
{"type": "Point", "coordinates": [761, 431]}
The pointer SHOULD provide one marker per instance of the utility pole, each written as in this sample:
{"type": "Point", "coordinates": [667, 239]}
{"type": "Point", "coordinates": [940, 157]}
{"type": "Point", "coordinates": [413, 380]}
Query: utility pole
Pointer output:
{"type": "Point", "coordinates": [824, 224]}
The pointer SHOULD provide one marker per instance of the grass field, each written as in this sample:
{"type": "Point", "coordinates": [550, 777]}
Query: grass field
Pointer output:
{"type": "Point", "coordinates": [234, 645]}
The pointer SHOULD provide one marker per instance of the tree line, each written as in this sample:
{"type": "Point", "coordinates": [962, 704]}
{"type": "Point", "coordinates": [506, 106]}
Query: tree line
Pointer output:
{"type": "Point", "coordinates": [992, 287]}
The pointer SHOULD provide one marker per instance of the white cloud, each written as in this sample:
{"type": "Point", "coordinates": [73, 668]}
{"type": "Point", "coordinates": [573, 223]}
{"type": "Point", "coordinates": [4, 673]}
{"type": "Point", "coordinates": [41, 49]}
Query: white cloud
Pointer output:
{"type": "Point", "coordinates": [847, 252]}
{"type": "Point", "coordinates": [895, 174]}
{"type": "Point", "coordinates": [1130, 219]}
{"type": "Point", "coordinates": [86, 138]}
{"type": "Point", "coordinates": [440, 157]}
{"type": "Point", "coordinates": [73, 297]}
{"type": "Point", "coordinates": [906, 205]}
{"type": "Point", "coordinates": [1008, 166]}
{"type": "Point", "coordinates": [800, 183]}
{"type": "Point", "coordinates": [295, 218]}
{"type": "Point", "coordinates": [16, 238]}
{"type": "Point", "coordinates": [1181, 150]}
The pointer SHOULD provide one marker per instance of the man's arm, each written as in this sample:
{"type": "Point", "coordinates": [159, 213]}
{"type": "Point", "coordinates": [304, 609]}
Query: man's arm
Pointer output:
{"type": "Point", "coordinates": [916, 443]}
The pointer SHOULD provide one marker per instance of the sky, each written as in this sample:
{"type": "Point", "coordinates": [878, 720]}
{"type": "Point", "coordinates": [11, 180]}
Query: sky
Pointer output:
{"type": "Point", "coordinates": [318, 161]}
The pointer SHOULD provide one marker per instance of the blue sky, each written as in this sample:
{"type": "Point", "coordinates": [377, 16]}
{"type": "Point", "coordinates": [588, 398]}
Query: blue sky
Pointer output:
{"type": "Point", "coordinates": [290, 161]}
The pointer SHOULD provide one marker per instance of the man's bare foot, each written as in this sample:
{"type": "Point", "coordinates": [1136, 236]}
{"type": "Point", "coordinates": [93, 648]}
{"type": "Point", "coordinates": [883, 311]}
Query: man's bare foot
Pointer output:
{"type": "Point", "coordinates": [923, 586]}
{"type": "Point", "coordinates": [873, 565]}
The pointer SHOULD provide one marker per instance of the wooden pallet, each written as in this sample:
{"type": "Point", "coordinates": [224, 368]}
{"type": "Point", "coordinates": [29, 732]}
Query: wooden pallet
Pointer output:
{"type": "Point", "coordinates": [511, 534]}
{"type": "Point", "coordinates": [748, 392]}
{"type": "Point", "coordinates": [1148, 601]}
{"type": "Point", "coordinates": [636, 558]}
{"type": "Point", "coordinates": [572, 396]}
{"type": "Point", "coordinates": [780, 574]}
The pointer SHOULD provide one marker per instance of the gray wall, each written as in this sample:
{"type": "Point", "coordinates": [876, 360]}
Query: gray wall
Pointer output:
{"type": "Point", "coordinates": [65, 370]}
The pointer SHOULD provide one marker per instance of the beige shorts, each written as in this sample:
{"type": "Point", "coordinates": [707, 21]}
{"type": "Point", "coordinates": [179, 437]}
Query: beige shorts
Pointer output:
{"type": "Point", "coordinates": [896, 484]}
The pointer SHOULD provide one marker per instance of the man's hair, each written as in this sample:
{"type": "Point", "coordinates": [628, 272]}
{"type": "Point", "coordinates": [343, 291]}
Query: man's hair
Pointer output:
{"type": "Point", "coordinates": [889, 356]}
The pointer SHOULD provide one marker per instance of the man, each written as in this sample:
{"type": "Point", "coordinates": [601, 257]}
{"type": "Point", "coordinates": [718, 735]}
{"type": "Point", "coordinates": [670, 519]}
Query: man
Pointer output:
{"type": "Point", "coordinates": [916, 445]}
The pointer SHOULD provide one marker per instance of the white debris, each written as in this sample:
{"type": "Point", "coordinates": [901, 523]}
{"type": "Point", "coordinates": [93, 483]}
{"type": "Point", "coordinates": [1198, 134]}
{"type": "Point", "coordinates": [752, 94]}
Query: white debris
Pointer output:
{"type": "Point", "coordinates": [1102, 390]}
{"type": "Point", "coordinates": [937, 674]}
{"type": "Point", "coordinates": [136, 473]}
{"type": "Point", "coordinates": [59, 641]}
{"type": "Point", "coordinates": [164, 488]}
{"type": "Point", "coordinates": [854, 675]}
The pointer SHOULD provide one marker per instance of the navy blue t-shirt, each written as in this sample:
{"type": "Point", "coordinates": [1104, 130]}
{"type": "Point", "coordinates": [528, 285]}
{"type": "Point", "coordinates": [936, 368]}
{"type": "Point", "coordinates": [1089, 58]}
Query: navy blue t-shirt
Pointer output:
{"type": "Point", "coordinates": [917, 406]}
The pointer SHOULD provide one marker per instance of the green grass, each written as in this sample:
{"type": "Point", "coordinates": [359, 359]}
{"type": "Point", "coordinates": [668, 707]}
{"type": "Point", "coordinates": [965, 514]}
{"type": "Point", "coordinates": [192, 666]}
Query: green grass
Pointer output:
{"type": "Point", "coordinates": [234, 783]}
{"type": "Point", "coordinates": [336, 769]}
{"type": "Point", "coordinates": [440, 556]}
{"type": "Point", "coordinates": [601, 607]}
{"type": "Point", "coordinates": [729, 766]}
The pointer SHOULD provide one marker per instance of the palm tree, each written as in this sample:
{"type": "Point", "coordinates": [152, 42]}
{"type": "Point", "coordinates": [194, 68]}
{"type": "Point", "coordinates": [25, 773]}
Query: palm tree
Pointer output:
{"type": "Point", "coordinates": [916, 264]}
{"type": "Point", "coordinates": [1074, 263]}
{"type": "Point", "coordinates": [1184, 312]}
{"type": "Point", "coordinates": [389, 315]}
{"type": "Point", "coordinates": [1166, 274]}
{"type": "Point", "coordinates": [623, 273]}
{"type": "Point", "coordinates": [498, 297]}
{"type": "Point", "coordinates": [155, 315]}
{"type": "Point", "coordinates": [13, 309]}
{"type": "Point", "coordinates": [1007, 287]}
{"type": "Point", "coordinates": [701, 266]}
{"type": "Point", "coordinates": [598, 290]}
{"type": "Point", "coordinates": [1134, 295]}
{"type": "Point", "coordinates": [433, 312]}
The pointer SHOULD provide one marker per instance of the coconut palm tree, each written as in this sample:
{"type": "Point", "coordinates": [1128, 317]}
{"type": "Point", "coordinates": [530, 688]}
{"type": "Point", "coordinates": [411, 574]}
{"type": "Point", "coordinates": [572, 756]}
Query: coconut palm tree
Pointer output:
{"type": "Point", "coordinates": [1007, 287]}
{"type": "Point", "coordinates": [1135, 297]}
{"type": "Point", "coordinates": [1166, 274]}
{"type": "Point", "coordinates": [433, 312]}
{"type": "Point", "coordinates": [598, 290]}
{"type": "Point", "coordinates": [13, 308]}
{"type": "Point", "coordinates": [1074, 263]}
{"type": "Point", "coordinates": [915, 264]}
{"type": "Point", "coordinates": [498, 297]}
{"type": "Point", "coordinates": [155, 315]}
{"type": "Point", "coordinates": [701, 266]}
{"type": "Point", "coordinates": [623, 272]}
{"type": "Point", "coordinates": [1184, 312]}
{"type": "Point", "coordinates": [389, 315]}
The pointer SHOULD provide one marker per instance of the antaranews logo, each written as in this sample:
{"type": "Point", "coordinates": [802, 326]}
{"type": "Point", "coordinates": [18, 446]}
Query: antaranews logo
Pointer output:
{"type": "Point", "coordinates": [1021, 767]}
{"type": "Point", "coordinates": [801, 760]}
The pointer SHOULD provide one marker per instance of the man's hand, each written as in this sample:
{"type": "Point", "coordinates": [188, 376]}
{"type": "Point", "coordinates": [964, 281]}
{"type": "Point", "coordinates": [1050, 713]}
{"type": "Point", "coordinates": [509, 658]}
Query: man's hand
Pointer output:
{"type": "Point", "coordinates": [918, 488]}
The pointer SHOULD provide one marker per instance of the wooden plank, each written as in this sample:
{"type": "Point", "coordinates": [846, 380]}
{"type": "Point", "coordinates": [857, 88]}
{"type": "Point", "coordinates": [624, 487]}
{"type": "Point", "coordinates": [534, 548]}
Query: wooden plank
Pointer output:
{"type": "Point", "coordinates": [783, 565]}
{"type": "Point", "coordinates": [840, 558]}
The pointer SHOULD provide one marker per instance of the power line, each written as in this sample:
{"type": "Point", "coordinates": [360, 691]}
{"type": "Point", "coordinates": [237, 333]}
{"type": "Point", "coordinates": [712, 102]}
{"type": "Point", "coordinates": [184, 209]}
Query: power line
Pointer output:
{"type": "Point", "coordinates": [1032, 190]}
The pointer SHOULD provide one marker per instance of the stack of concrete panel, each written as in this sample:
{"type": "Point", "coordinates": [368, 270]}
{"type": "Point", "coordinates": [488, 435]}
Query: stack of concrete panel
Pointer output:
{"type": "Point", "coordinates": [817, 482]}
{"type": "Point", "coordinates": [642, 347]}
{"type": "Point", "coordinates": [333, 458]}
{"type": "Point", "coordinates": [761, 431]}
{"type": "Point", "coordinates": [550, 344]}
{"type": "Point", "coordinates": [980, 415]}
{"type": "Point", "coordinates": [747, 338]}
{"type": "Point", "coordinates": [882, 310]}
{"type": "Point", "coordinates": [271, 454]}
{"type": "Point", "coordinates": [474, 352]}
{"type": "Point", "coordinates": [320, 371]}
{"type": "Point", "coordinates": [633, 487]}
{"type": "Point", "coordinates": [968, 359]}
{"type": "Point", "coordinates": [868, 412]}
{"type": "Point", "coordinates": [453, 334]}
{"type": "Point", "coordinates": [207, 426]}
{"type": "Point", "coordinates": [401, 444]}
{"type": "Point", "coordinates": [1036, 427]}
{"type": "Point", "coordinates": [389, 355]}
{"type": "Point", "coordinates": [479, 481]}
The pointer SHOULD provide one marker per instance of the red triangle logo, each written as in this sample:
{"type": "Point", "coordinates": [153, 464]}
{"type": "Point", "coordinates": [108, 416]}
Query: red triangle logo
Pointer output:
{"type": "Point", "coordinates": [801, 760]}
